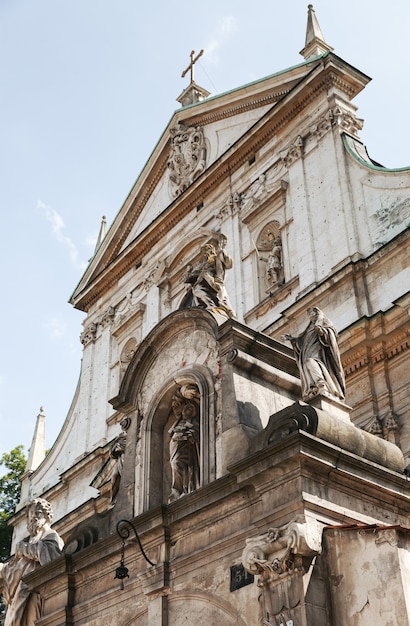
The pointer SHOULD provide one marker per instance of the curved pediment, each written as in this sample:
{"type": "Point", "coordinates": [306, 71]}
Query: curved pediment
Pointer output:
{"type": "Point", "coordinates": [183, 338]}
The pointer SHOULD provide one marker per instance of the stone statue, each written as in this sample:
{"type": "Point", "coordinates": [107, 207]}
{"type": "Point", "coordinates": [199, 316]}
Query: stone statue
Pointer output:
{"type": "Point", "coordinates": [43, 545]}
{"type": "Point", "coordinates": [274, 265]}
{"type": "Point", "coordinates": [117, 450]}
{"type": "Point", "coordinates": [184, 444]}
{"type": "Point", "coordinates": [208, 280]}
{"type": "Point", "coordinates": [318, 358]}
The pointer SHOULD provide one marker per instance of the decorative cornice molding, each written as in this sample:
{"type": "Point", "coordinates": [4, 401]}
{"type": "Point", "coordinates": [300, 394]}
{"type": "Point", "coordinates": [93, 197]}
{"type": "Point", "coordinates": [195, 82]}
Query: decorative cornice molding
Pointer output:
{"type": "Point", "coordinates": [231, 207]}
{"type": "Point", "coordinates": [293, 152]}
{"type": "Point", "coordinates": [89, 334]}
{"type": "Point", "coordinates": [376, 350]}
{"type": "Point", "coordinates": [387, 427]}
{"type": "Point", "coordinates": [242, 107]}
{"type": "Point", "coordinates": [107, 317]}
{"type": "Point", "coordinates": [152, 276]}
{"type": "Point", "coordinates": [347, 121]}
{"type": "Point", "coordinates": [284, 551]}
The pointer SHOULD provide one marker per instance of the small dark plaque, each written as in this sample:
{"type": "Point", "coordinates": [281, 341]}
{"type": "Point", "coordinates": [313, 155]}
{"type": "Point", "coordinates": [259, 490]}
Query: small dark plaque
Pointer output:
{"type": "Point", "coordinates": [240, 577]}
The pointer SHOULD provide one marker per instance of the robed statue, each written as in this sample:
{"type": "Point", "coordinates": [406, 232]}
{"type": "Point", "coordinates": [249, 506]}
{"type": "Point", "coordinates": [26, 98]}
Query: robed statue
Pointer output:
{"type": "Point", "coordinates": [117, 450]}
{"type": "Point", "coordinates": [184, 443]}
{"type": "Point", "coordinates": [318, 358]}
{"type": "Point", "coordinates": [208, 278]}
{"type": "Point", "coordinates": [42, 546]}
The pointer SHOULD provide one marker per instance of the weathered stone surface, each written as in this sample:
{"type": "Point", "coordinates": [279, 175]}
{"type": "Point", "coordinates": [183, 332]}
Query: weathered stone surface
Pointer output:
{"type": "Point", "coordinates": [282, 156]}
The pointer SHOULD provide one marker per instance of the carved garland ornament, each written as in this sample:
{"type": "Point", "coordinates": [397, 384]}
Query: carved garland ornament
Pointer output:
{"type": "Point", "coordinates": [345, 120]}
{"type": "Point", "coordinates": [187, 158]}
{"type": "Point", "coordinates": [89, 334]}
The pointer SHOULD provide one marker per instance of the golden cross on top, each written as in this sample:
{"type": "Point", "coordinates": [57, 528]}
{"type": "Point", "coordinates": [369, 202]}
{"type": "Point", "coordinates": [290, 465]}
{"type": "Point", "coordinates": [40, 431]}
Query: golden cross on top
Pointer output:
{"type": "Point", "coordinates": [194, 59]}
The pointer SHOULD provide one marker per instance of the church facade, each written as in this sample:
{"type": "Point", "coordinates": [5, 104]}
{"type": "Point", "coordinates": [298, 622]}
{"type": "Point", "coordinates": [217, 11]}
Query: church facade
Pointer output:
{"type": "Point", "coordinates": [258, 497]}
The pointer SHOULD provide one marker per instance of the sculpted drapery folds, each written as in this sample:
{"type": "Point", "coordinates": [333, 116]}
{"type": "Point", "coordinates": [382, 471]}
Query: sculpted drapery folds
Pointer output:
{"type": "Point", "coordinates": [274, 266]}
{"type": "Point", "coordinates": [43, 546]}
{"type": "Point", "coordinates": [318, 358]}
{"type": "Point", "coordinates": [117, 450]}
{"type": "Point", "coordinates": [184, 444]}
{"type": "Point", "coordinates": [208, 279]}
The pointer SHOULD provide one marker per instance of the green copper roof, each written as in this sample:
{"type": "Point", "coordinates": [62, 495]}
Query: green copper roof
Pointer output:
{"type": "Point", "coordinates": [255, 82]}
{"type": "Point", "coordinates": [358, 151]}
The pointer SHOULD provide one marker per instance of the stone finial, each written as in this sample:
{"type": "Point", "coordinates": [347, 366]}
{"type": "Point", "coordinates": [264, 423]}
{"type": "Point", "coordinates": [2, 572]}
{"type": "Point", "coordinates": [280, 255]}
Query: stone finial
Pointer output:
{"type": "Point", "coordinates": [36, 455]}
{"type": "Point", "coordinates": [315, 43]}
{"type": "Point", "coordinates": [102, 233]}
{"type": "Point", "coordinates": [37, 449]}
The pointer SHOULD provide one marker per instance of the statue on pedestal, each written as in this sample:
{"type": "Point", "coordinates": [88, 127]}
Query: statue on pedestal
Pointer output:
{"type": "Point", "coordinates": [318, 358]}
{"type": "Point", "coordinates": [208, 279]}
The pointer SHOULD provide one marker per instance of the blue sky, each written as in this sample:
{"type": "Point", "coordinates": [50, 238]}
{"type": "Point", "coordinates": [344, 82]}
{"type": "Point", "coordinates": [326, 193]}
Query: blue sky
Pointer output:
{"type": "Point", "coordinates": [87, 87]}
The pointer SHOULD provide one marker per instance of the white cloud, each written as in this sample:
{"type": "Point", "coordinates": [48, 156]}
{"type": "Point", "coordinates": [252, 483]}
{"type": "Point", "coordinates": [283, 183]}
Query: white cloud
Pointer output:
{"type": "Point", "coordinates": [57, 328]}
{"type": "Point", "coordinates": [58, 226]}
{"type": "Point", "coordinates": [225, 27]}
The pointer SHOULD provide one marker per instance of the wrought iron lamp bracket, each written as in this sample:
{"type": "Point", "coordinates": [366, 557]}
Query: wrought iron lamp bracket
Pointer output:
{"type": "Point", "coordinates": [123, 531]}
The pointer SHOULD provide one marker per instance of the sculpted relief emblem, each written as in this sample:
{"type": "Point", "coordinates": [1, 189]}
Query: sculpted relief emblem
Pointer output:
{"type": "Point", "coordinates": [187, 158]}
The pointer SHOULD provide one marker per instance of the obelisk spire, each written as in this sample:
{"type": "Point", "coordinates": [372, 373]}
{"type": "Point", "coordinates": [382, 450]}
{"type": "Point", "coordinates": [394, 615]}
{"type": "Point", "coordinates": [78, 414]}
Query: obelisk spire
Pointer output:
{"type": "Point", "coordinates": [102, 233]}
{"type": "Point", "coordinates": [36, 455]}
{"type": "Point", "coordinates": [315, 43]}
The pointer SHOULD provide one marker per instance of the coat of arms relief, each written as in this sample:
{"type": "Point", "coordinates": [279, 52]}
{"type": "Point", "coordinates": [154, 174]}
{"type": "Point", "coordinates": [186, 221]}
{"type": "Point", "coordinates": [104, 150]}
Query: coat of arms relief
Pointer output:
{"type": "Point", "coordinates": [187, 158]}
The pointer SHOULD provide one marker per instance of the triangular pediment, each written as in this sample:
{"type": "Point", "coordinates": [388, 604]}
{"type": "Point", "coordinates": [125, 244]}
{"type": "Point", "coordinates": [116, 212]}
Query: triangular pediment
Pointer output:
{"type": "Point", "coordinates": [204, 136]}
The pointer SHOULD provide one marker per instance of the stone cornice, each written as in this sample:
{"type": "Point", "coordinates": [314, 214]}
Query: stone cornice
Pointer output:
{"type": "Point", "coordinates": [378, 345]}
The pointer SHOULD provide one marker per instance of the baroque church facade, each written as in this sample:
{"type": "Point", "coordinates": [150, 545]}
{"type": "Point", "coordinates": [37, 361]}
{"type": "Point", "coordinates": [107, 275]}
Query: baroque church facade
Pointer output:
{"type": "Point", "coordinates": [258, 498]}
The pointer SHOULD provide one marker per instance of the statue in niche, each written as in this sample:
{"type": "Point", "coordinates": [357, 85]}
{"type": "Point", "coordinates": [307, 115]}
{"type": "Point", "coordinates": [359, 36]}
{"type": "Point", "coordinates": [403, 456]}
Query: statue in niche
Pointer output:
{"type": "Point", "coordinates": [184, 444]}
{"type": "Point", "coordinates": [274, 265]}
{"type": "Point", "coordinates": [117, 450]}
{"type": "Point", "coordinates": [318, 358]}
{"type": "Point", "coordinates": [43, 546]}
{"type": "Point", "coordinates": [208, 279]}
{"type": "Point", "coordinates": [270, 254]}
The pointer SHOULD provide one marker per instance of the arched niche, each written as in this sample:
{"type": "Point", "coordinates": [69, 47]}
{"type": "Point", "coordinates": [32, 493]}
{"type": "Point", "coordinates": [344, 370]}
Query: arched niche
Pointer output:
{"type": "Point", "coordinates": [181, 349]}
{"type": "Point", "coordinates": [156, 435]}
